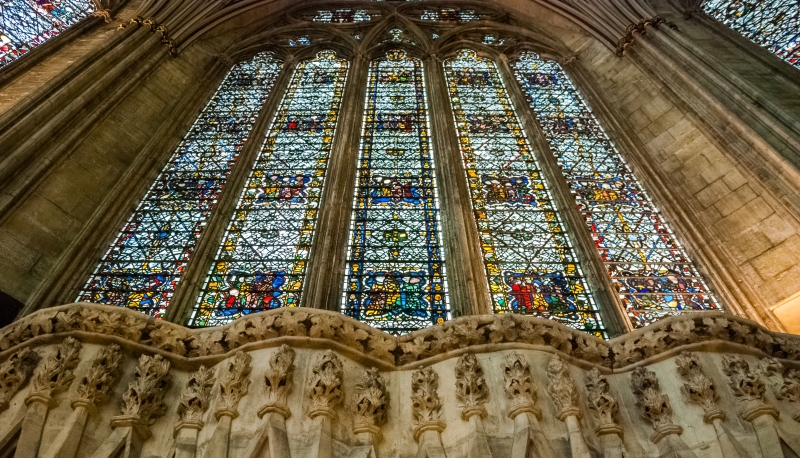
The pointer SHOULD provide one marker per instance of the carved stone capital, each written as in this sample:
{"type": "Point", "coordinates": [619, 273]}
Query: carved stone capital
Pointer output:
{"type": "Point", "coordinates": [562, 388]}
{"type": "Point", "coordinates": [233, 385]}
{"type": "Point", "coordinates": [655, 406]}
{"type": "Point", "coordinates": [698, 388]}
{"type": "Point", "coordinates": [747, 387]}
{"type": "Point", "coordinates": [14, 374]}
{"type": "Point", "coordinates": [325, 385]}
{"type": "Point", "coordinates": [96, 384]}
{"type": "Point", "coordinates": [194, 398]}
{"type": "Point", "coordinates": [143, 402]}
{"type": "Point", "coordinates": [518, 385]}
{"type": "Point", "coordinates": [426, 405]}
{"type": "Point", "coordinates": [371, 401]}
{"type": "Point", "coordinates": [471, 390]}
{"type": "Point", "coordinates": [55, 373]}
{"type": "Point", "coordinates": [278, 382]}
{"type": "Point", "coordinates": [785, 384]}
{"type": "Point", "coordinates": [603, 406]}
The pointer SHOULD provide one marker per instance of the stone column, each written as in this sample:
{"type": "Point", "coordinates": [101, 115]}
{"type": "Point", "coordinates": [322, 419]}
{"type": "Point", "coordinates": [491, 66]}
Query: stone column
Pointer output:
{"type": "Point", "coordinates": [529, 439]}
{"type": "Point", "coordinates": [193, 403]}
{"type": "Point", "coordinates": [52, 377]}
{"type": "Point", "coordinates": [604, 408]}
{"type": "Point", "coordinates": [472, 395]}
{"type": "Point", "coordinates": [564, 393]}
{"type": "Point", "coordinates": [325, 394]}
{"type": "Point", "coordinates": [233, 387]}
{"type": "Point", "coordinates": [426, 408]}
{"type": "Point", "coordinates": [93, 390]}
{"type": "Point", "coordinates": [273, 440]}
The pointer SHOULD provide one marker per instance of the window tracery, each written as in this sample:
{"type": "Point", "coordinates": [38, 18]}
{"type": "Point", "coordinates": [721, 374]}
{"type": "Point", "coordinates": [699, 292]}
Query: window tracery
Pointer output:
{"type": "Point", "coordinates": [26, 24]}
{"type": "Point", "coordinates": [530, 264]}
{"type": "Point", "coordinates": [396, 277]}
{"type": "Point", "coordinates": [261, 262]}
{"type": "Point", "coordinates": [773, 24]}
{"type": "Point", "coordinates": [145, 263]}
{"type": "Point", "coordinates": [652, 272]}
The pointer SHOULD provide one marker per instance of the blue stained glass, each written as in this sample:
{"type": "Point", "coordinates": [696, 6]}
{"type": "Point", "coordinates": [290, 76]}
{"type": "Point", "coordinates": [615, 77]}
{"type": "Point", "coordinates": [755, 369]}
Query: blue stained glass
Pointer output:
{"type": "Point", "coordinates": [652, 272]}
{"type": "Point", "coordinates": [145, 263]}
{"type": "Point", "coordinates": [261, 263]}
{"type": "Point", "coordinates": [531, 266]}
{"type": "Point", "coordinates": [773, 24]}
{"type": "Point", "coordinates": [396, 270]}
{"type": "Point", "coordinates": [26, 24]}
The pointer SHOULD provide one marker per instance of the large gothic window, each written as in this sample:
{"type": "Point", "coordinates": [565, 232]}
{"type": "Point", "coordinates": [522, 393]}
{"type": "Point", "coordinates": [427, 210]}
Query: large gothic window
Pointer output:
{"type": "Point", "coordinates": [145, 263]}
{"type": "Point", "coordinates": [773, 24]}
{"type": "Point", "coordinates": [261, 263]}
{"type": "Point", "coordinates": [651, 271]}
{"type": "Point", "coordinates": [396, 271]}
{"type": "Point", "coordinates": [530, 264]}
{"type": "Point", "coordinates": [26, 24]}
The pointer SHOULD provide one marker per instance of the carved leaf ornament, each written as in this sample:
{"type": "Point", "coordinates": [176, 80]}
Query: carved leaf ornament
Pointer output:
{"type": "Point", "coordinates": [144, 398]}
{"type": "Point", "coordinates": [96, 384]}
{"type": "Point", "coordinates": [14, 374]}
{"type": "Point", "coordinates": [471, 390]}
{"type": "Point", "coordinates": [603, 406]}
{"type": "Point", "coordinates": [325, 386]}
{"type": "Point", "coordinates": [194, 398]}
{"type": "Point", "coordinates": [278, 380]}
{"type": "Point", "coordinates": [519, 386]}
{"type": "Point", "coordinates": [371, 401]}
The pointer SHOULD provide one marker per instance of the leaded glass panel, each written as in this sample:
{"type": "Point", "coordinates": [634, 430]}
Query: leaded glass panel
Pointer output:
{"type": "Point", "coordinates": [773, 24]}
{"type": "Point", "coordinates": [396, 270]}
{"type": "Point", "coordinates": [145, 263]}
{"type": "Point", "coordinates": [261, 263]}
{"type": "Point", "coordinates": [530, 264]}
{"type": "Point", "coordinates": [26, 24]}
{"type": "Point", "coordinates": [652, 272]}
{"type": "Point", "coordinates": [449, 15]}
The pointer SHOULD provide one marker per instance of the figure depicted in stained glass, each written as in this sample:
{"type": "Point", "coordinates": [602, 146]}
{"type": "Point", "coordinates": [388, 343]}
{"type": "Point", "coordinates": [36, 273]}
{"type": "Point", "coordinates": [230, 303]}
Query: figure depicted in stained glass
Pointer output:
{"type": "Point", "coordinates": [144, 265]}
{"type": "Point", "coordinates": [530, 264]}
{"type": "Point", "coordinates": [396, 271]}
{"type": "Point", "coordinates": [652, 272]}
{"type": "Point", "coordinates": [262, 261]}
{"type": "Point", "coordinates": [26, 24]}
{"type": "Point", "coordinates": [773, 24]}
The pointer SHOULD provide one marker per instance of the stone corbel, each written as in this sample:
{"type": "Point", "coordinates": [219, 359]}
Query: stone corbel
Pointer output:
{"type": "Point", "coordinates": [369, 408]}
{"type": "Point", "coordinates": [14, 374]}
{"type": "Point", "coordinates": [700, 390]}
{"type": "Point", "coordinates": [273, 440]}
{"type": "Point", "coordinates": [426, 408]}
{"type": "Point", "coordinates": [604, 408]}
{"type": "Point", "coordinates": [52, 377]}
{"type": "Point", "coordinates": [657, 410]}
{"type": "Point", "coordinates": [472, 395]}
{"type": "Point", "coordinates": [233, 387]}
{"type": "Point", "coordinates": [193, 403]}
{"type": "Point", "coordinates": [749, 390]}
{"type": "Point", "coordinates": [529, 439]}
{"type": "Point", "coordinates": [564, 393]}
{"type": "Point", "coordinates": [92, 390]}
{"type": "Point", "coordinates": [101, 11]}
{"type": "Point", "coordinates": [142, 404]}
{"type": "Point", "coordinates": [325, 393]}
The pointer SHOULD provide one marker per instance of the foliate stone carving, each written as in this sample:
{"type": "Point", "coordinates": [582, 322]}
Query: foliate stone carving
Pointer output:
{"type": "Point", "coordinates": [95, 386]}
{"type": "Point", "coordinates": [233, 385]}
{"type": "Point", "coordinates": [655, 406]}
{"type": "Point", "coordinates": [325, 386]}
{"type": "Point", "coordinates": [55, 373]}
{"type": "Point", "coordinates": [279, 379]}
{"type": "Point", "coordinates": [562, 389]}
{"type": "Point", "coordinates": [785, 384]}
{"type": "Point", "coordinates": [519, 387]}
{"type": "Point", "coordinates": [194, 398]}
{"type": "Point", "coordinates": [14, 374]}
{"type": "Point", "coordinates": [747, 387]}
{"type": "Point", "coordinates": [471, 390]}
{"type": "Point", "coordinates": [697, 387]}
{"type": "Point", "coordinates": [370, 403]}
{"type": "Point", "coordinates": [143, 402]}
{"type": "Point", "coordinates": [426, 405]}
{"type": "Point", "coordinates": [603, 406]}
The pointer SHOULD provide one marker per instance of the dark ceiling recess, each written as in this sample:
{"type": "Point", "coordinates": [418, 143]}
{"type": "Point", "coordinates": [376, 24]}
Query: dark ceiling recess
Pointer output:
{"type": "Point", "coordinates": [9, 308]}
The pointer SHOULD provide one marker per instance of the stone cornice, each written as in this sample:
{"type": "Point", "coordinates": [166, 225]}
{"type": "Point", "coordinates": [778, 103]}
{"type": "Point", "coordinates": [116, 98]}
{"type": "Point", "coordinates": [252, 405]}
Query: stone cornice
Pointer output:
{"type": "Point", "coordinates": [324, 329]}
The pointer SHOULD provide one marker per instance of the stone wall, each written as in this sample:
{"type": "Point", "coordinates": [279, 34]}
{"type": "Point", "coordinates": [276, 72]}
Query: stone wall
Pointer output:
{"type": "Point", "coordinates": [87, 380]}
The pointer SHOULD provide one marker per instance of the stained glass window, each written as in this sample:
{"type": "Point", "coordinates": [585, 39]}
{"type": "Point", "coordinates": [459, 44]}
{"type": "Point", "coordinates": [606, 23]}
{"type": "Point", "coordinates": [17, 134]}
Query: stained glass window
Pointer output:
{"type": "Point", "coordinates": [342, 16]}
{"type": "Point", "coordinates": [773, 24]}
{"type": "Point", "coordinates": [262, 261]}
{"type": "Point", "coordinates": [26, 24]}
{"type": "Point", "coordinates": [396, 270]}
{"type": "Point", "coordinates": [531, 266]}
{"type": "Point", "coordinates": [652, 272]}
{"type": "Point", "coordinates": [145, 263]}
{"type": "Point", "coordinates": [449, 15]}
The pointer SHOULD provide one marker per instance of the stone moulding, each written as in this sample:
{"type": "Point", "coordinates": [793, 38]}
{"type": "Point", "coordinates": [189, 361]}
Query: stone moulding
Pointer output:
{"type": "Point", "coordinates": [189, 348]}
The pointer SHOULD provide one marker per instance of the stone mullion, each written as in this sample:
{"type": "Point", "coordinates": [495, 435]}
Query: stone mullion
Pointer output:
{"type": "Point", "coordinates": [741, 300]}
{"type": "Point", "coordinates": [466, 275]}
{"type": "Point", "coordinates": [327, 262]}
{"type": "Point", "coordinates": [205, 252]}
{"type": "Point", "coordinates": [601, 287]}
